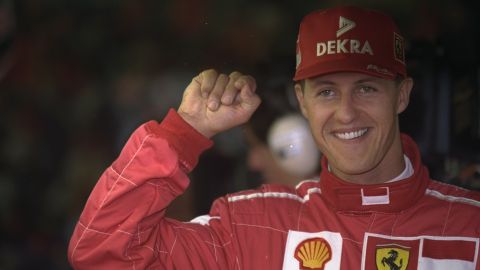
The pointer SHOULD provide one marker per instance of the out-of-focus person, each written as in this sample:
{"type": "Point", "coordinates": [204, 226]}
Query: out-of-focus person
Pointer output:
{"type": "Point", "coordinates": [281, 149]}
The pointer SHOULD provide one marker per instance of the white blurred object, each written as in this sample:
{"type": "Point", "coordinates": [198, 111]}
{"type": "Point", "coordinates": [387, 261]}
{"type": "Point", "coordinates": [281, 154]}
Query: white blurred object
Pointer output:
{"type": "Point", "coordinates": [293, 146]}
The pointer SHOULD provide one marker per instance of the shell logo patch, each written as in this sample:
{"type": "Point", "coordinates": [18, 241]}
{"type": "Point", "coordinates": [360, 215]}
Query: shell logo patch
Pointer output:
{"type": "Point", "coordinates": [313, 253]}
{"type": "Point", "coordinates": [392, 257]}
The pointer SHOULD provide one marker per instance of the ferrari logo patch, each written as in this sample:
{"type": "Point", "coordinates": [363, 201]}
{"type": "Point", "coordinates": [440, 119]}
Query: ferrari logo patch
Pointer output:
{"type": "Point", "coordinates": [392, 257]}
{"type": "Point", "coordinates": [386, 252]}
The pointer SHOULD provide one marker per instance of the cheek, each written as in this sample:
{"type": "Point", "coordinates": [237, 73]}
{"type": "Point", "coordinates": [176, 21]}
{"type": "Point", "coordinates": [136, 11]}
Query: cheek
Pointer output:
{"type": "Point", "coordinates": [385, 116]}
{"type": "Point", "coordinates": [313, 110]}
{"type": "Point", "coordinates": [321, 114]}
{"type": "Point", "coordinates": [318, 121]}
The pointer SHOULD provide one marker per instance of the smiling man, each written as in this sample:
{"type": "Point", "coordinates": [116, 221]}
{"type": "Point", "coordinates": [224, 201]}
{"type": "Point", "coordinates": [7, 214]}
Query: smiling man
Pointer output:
{"type": "Point", "coordinates": [352, 97]}
{"type": "Point", "coordinates": [375, 206]}
{"type": "Point", "coordinates": [353, 117]}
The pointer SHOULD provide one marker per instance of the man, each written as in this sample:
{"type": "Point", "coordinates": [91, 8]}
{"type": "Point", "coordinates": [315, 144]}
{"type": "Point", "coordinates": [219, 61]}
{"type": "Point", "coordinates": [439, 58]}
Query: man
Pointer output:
{"type": "Point", "coordinates": [374, 207]}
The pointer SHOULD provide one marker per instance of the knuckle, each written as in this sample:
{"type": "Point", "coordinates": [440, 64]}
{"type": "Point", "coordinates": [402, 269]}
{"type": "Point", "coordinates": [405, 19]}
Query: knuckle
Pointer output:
{"type": "Point", "coordinates": [210, 71]}
{"type": "Point", "coordinates": [223, 77]}
{"type": "Point", "coordinates": [235, 74]}
{"type": "Point", "coordinates": [250, 79]}
{"type": "Point", "coordinates": [208, 75]}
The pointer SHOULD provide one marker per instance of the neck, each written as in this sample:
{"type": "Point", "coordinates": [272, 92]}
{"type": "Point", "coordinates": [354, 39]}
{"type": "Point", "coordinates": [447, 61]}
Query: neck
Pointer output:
{"type": "Point", "coordinates": [387, 169]}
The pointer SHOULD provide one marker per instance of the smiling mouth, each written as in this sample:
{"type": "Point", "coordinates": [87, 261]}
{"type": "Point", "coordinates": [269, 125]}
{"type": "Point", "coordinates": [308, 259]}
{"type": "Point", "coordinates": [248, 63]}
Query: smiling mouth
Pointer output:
{"type": "Point", "coordinates": [351, 135]}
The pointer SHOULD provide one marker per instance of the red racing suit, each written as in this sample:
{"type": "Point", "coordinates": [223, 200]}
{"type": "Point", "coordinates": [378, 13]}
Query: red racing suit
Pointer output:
{"type": "Point", "coordinates": [414, 223]}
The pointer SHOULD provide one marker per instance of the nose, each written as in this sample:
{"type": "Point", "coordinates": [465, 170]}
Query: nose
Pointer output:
{"type": "Point", "coordinates": [346, 111]}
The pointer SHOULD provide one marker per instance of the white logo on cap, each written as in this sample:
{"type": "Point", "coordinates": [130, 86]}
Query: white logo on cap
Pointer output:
{"type": "Point", "coordinates": [344, 25]}
{"type": "Point", "coordinates": [344, 45]}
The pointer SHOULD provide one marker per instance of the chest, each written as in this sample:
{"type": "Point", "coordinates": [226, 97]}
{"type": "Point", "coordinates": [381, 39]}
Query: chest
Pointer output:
{"type": "Point", "coordinates": [319, 238]}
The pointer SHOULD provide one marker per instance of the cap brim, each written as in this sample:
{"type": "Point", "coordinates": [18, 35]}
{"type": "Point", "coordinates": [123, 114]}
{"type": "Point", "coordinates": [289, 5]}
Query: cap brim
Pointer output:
{"type": "Point", "coordinates": [343, 66]}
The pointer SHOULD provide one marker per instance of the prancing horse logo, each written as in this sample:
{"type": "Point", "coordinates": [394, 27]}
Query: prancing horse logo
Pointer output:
{"type": "Point", "coordinates": [392, 257]}
{"type": "Point", "coordinates": [390, 261]}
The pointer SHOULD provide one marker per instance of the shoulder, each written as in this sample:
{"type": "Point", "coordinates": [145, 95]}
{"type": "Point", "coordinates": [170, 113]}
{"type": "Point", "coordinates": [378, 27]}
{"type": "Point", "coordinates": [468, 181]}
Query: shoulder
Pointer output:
{"type": "Point", "coordinates": [268, 197]}
{"type": "Point", "coordinates": [453, 194]}
{"type": "Point", "coordinates": [265, 192]}
{"type": "Point", "coordinates": [274, 192]}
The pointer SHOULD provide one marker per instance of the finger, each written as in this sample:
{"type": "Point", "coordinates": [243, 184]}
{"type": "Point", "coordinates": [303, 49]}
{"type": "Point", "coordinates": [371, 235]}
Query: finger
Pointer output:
{"type": "Point", "coordinates": [249, 100]}
{"type": "Point", "coordinates": [207, 79]}
{"type": "Point", "coordinates": [235, 75]}
{"type": "Point", "coordinates": [246, 81]}
{"type": "Point", "coordinates": [217, 92]}
{"type": "Point", "coordinates": [231, 91]}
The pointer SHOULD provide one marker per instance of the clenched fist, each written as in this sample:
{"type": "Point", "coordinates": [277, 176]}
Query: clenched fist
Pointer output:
{"type": "Point", "coordinates": [215, 102]}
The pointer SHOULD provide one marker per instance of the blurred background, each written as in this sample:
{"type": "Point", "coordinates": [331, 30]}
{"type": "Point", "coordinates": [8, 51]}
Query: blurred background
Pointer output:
{"type": "Point", "coordinates": [77, 77]}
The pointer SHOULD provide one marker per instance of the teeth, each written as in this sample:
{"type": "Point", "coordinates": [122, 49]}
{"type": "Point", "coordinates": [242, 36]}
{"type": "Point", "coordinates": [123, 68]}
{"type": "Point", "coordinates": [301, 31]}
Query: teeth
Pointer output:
{"type": "Point", "coordinates": [351, 135]}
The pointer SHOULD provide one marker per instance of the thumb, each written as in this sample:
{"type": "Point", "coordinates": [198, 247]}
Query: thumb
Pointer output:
{"type": "Point", "coordinates": [193, 89]}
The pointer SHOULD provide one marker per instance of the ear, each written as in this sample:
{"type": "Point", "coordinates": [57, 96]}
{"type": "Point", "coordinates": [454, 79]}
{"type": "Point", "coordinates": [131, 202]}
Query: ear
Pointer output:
{"type": "Point", "coordinates": [299, 92]}
{"type": "Point", "coordinates": [405, 88]}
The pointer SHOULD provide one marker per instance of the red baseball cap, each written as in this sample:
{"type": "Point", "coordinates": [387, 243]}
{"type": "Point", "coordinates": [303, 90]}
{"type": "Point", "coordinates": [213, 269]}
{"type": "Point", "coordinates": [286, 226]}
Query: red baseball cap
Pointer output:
{"type": "Point", "coordinates": [352, 39]}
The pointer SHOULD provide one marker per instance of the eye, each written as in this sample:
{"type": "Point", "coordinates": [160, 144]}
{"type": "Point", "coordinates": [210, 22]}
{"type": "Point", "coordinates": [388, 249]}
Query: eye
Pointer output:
{"type": "Point", "coordinates": [326, 93]}
{"type": "Point", "coordinates": [365, 89]}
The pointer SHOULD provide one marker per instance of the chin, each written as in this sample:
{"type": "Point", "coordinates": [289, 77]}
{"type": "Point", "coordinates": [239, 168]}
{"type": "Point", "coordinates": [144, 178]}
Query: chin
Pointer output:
{"type": "Point", "coordinates": [359, 169]}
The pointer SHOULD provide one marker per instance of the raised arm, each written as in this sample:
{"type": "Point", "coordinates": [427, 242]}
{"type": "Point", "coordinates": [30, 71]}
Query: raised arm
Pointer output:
{"type": "Point", "coordinates": [122, 225]}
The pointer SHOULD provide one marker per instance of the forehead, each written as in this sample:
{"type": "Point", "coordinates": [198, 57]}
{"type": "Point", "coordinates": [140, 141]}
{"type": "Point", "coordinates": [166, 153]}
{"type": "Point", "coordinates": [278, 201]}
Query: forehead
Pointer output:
{"type": "Point", "coordinates": [341, 78]}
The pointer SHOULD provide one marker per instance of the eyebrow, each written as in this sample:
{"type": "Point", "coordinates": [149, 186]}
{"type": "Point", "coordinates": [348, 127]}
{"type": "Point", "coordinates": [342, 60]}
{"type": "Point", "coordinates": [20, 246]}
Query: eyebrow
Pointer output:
{"type": "Point", "coordinates": [328, 82]}
{"type": "Point", "coordinates": [321, 82]}
{"type": "Point", "coordinates": [367, 80]}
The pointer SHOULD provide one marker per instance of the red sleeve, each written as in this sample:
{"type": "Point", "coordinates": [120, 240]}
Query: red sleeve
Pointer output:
{"type": "Point", "coordinates": [122, 225]}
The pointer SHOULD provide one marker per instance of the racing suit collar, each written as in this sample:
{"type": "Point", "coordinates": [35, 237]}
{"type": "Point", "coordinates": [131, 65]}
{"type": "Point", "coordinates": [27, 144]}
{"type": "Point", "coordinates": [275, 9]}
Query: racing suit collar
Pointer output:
{"type": "Point", "coordinates": [387, 197]}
